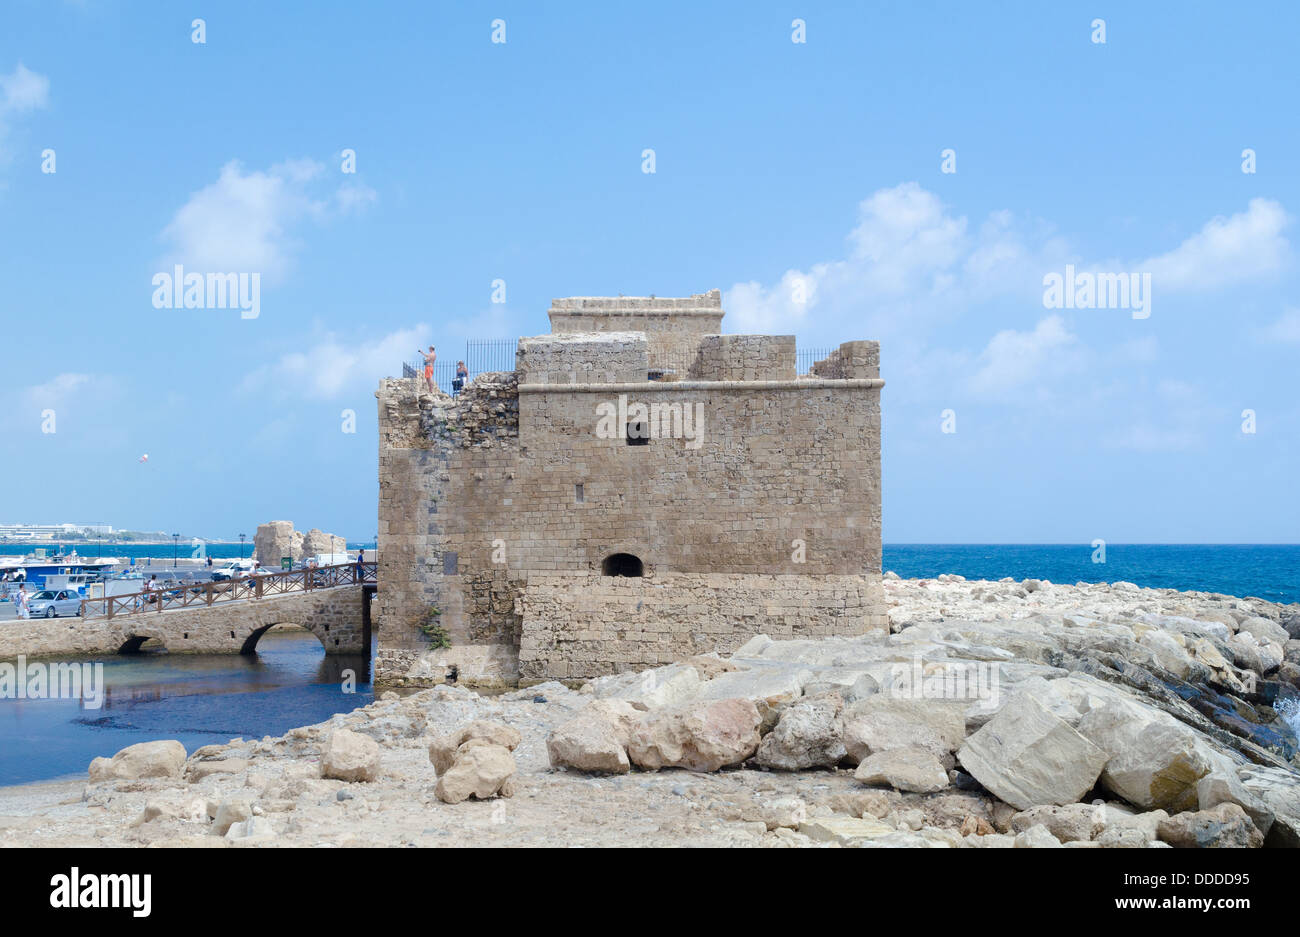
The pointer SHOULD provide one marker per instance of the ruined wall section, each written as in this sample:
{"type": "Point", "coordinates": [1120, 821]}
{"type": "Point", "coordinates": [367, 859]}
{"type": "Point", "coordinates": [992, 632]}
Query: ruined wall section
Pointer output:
{"type": "Point", "coordinates": [444, 465]}
{"type": "Point", "coordinates": [859, 359]}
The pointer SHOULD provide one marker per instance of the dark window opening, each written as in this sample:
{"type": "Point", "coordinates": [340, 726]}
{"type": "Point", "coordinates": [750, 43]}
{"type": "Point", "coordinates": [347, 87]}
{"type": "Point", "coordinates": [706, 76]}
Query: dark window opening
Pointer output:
{"type": "Point", "coordinates": [621, 564]}
{"type": "Point", "coordinates": [578, 495]}
{"type": "Point", "coordinates": [638, 433]}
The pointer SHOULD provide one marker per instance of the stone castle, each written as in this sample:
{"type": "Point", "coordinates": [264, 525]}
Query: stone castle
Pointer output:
{"type": "Point", "coordinates": [640, 489]}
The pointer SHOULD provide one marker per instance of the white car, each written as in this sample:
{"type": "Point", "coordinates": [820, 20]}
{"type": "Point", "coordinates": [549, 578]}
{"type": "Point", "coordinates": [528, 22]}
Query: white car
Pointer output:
{"type": "Point", "coordinates": [54, 603]}
{"type": "Point", "coordinates": [235, 569]}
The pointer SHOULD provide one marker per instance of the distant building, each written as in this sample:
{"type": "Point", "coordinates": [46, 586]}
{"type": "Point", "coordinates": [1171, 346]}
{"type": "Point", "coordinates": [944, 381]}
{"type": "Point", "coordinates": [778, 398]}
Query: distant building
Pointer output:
{"type": "Point", "coordinates": [49, 531]}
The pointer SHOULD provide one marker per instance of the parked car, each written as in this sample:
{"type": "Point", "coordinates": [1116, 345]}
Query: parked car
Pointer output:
{"type": "Point", "coordinates": [235, 569]}
{"type": "Point", "coordinates": [54, 603]}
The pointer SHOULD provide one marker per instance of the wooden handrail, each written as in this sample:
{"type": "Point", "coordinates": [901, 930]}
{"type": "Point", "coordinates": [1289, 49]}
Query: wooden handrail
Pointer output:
{"type": "Point", "coordinates": [280, 582]}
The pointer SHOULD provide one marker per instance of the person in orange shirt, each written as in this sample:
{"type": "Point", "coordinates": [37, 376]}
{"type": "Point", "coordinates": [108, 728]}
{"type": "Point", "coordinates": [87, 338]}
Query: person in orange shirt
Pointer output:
{"type": "Point", "coordinates": [429, 359]}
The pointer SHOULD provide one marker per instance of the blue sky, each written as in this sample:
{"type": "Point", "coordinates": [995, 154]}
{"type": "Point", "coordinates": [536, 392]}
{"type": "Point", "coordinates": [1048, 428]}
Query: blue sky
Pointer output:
{"type": "Point", "coordinates": [777, 163]}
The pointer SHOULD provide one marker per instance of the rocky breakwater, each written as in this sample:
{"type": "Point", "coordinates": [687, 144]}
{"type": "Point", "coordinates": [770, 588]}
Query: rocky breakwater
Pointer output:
{"type": "Point", "coordinates": [995, 715]}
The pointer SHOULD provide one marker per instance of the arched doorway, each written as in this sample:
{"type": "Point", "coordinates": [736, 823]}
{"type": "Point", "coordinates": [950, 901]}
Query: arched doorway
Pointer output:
{"type": "Point", "coordinates": [622, 564]}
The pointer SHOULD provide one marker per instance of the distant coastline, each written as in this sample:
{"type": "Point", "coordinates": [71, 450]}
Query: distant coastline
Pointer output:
{"type": "Point", "coordinates": [158, 551]}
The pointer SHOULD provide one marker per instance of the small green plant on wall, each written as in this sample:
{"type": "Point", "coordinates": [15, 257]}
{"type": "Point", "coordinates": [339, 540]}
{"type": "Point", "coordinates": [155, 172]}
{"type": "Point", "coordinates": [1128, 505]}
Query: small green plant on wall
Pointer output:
{"type": "Point", "coordinates": [432, 629]}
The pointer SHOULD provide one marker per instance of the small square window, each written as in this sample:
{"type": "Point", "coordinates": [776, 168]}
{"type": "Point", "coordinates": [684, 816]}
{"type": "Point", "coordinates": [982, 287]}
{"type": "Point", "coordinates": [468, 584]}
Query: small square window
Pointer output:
{"type": "Point", "coordinates": [638, 433]}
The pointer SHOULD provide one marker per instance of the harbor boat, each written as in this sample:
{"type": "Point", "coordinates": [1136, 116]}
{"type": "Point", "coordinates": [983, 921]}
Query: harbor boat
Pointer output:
{"type": "Point", "coordinates": [63, 572]}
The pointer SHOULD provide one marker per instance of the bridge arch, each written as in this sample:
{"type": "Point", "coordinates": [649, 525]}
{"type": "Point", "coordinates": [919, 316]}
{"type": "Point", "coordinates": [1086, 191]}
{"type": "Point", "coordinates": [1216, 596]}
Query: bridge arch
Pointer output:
{"type": "Point", "coordinates": [338, 617]}
{"type": "Point", "coordinates": [250, 642]}
{"type": "Point", "coordinates": [334, 616]}
{"type": "Point", "coordinates": [133, 642]}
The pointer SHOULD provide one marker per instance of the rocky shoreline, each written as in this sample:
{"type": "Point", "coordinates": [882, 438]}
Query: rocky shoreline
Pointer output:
{"type": "Point", "coordinates": [996, 714]}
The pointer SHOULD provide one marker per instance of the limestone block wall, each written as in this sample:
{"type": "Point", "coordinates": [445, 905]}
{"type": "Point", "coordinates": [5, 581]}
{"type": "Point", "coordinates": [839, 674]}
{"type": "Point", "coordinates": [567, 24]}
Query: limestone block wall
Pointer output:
{"type": "Point", "coordinates": [767, 477]}
{"type": "Point", "coordinates": [673, 325]}
{"type": "Point", "coordinates": [745, 358]}
{"type": "Point", "coordinates": [851, 360]}
{"type": "Point", "coordinates": [747, 471]}
{"type": "Point", "coordinates": [577, 626]}
{"type": "Point", "coordinates": [779, 478]}
{"type": "Point", "coordinates": [583, 358]}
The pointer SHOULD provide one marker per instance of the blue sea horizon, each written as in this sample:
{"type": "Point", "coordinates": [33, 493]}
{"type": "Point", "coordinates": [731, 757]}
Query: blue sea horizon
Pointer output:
{"type": "Point", "coordinates": [1266, 571]}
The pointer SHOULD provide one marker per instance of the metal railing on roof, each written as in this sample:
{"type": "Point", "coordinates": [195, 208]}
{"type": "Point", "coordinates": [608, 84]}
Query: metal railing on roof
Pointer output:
{"type": "Point", "coordinates": [480, 357]}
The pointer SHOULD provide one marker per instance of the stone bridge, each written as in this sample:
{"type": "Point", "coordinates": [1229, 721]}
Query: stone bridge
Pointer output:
{"type": "Point", "coordinates": [339, 617]}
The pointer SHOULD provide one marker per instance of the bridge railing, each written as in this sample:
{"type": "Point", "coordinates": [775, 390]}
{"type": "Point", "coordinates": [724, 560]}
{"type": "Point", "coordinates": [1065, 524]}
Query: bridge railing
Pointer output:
{"type": "Point", "coordinates": [251, 586]}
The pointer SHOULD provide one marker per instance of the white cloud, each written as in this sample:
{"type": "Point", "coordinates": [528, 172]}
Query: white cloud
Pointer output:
{"type": "Point", "coordinates": [1013, 359]}
{"type": "Point", "coordinates": [21, 92]}
{"type": "Point", "coordinates": [335, 366]}
{"type": "Point", "coordinates": [902, 244]}
{"type": "Point", "coordinates": [56, 391]}
{"type": "Point", "coordinates": [1228, 250]}
{"type": "Point", "coordinates": [244, 222]}
{"type": "Point", "coordinates": [909, 262]}
{"type": "Point", "coordinates": [924, 281]}
{"type": "Point", "coordinates": [68, 394]}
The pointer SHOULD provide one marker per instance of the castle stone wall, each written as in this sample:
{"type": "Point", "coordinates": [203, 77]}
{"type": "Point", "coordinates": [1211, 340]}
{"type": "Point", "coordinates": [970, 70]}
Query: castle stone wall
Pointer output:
{"type": "Point", "coordinates": [745, 358]}
{"type": "Point", "coordinates": [748, 472]}
{"type": "Point", "coordinates": [579, 626]}
{"type": "Point", "coordinates": [673, 325]}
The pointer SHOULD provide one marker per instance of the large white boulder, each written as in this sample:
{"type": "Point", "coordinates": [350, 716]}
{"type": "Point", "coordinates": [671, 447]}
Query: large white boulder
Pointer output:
{"type": "Point", "coordinates": [1265, 630]}
{"type": "Point", "coordinates": [883, 722]}
{"type": "Point", "coordinates": [350, 756]}
{"type": "Point", "coordinates": [595, 739]}
{"type": "Point", "coordinates": [443, 748]}
{"type": "Point", "coordinates": [912, 770]}
{"type": "Point", "coordinates": [1224, 827]}
{"type": "Point", "coordinates": [700, 736]}
{"type": "Point", "coordinates": [649, 689]}
{"type": "Point", "coordinates": [164, 759]}
{"type": "Point", "coordinates": [771, 686]}
{"type": "Point", "coordinates": [482, 769]}
{"type": "Point", "coordinates": [808, 734]}
{"type": "Point", "coordinates": [1279, 790]}
{"type": "Point", "coordinates": [1152, 760]}
{"type": "Point", "coordinates": [1027, 756]}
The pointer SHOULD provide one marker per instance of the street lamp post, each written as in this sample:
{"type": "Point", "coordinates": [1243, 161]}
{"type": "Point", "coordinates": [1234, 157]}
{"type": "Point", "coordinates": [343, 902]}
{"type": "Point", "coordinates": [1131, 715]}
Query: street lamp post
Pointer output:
{"type": "Point", "coordinates": [176, 545]}
{"type": "Point", "coordinates": [241, 545]}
